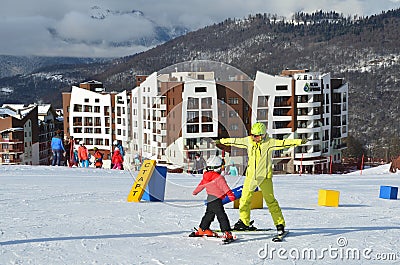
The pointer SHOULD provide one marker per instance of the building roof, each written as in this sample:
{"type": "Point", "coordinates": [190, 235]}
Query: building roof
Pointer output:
{"type": "Point", "coordinates": [44, 109]}
{"type": "Point", "coordinates": [7, 112]}
{"type": "Point", "coordinates": [222, 72]}
{"type": "Point", "coordinates": [17, 110]}
{"type": "Point", "coordinates": [12, 129]}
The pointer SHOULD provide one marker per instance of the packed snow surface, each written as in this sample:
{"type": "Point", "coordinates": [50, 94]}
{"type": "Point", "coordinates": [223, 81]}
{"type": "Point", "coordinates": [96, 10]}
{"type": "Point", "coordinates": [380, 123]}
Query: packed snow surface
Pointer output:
{"type": "Point", "coordinates": [58, 215]}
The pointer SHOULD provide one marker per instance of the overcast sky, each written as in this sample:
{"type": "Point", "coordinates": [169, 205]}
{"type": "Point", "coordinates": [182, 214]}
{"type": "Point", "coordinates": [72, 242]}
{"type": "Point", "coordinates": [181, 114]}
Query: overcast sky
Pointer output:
{"type": "Point", "coordinates": [26, 25]}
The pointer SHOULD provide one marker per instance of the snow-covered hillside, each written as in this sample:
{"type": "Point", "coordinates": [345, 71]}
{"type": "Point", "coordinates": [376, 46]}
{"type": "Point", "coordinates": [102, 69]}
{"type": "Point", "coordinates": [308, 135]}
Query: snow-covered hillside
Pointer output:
{"type": "Point", "coordinates": [57, 215]}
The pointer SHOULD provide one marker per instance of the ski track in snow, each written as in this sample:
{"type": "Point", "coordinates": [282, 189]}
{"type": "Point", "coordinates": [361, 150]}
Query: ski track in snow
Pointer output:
{"type": "Point", "coordinates": [57, 215]}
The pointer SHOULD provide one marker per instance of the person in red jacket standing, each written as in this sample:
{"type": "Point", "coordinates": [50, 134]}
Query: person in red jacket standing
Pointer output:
{"type": "Point", "coordinates": [216, 188]}
{"type": "Point", "coordinates": [117, 159]}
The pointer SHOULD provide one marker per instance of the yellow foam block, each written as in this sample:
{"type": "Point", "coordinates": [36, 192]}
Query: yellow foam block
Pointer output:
{"type": "Point", "coordinates": [138, 188]}
{"type": "Point", "coordinates": [256, 201]}
{"type": "Point", "coordinates": [328, 198]}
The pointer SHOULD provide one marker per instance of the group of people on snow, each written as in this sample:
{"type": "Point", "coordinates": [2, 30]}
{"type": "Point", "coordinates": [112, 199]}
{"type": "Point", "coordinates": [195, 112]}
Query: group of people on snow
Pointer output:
{"type": "Point", "coordinates": [68, 154]}
{"type": "Point", "coordinates": [258, 174]}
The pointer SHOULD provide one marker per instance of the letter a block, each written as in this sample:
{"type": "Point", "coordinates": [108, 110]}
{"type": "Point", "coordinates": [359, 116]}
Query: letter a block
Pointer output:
{"type": "Point", "coordinates": [328, 198]}
{"type": "Point", "coordinates": [138, 188]}
{"type": "Point", "coordinates": [388, 192]}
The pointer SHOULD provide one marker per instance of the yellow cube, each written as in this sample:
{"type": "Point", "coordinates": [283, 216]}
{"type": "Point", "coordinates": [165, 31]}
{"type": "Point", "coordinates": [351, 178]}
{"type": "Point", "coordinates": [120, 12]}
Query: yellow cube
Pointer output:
{"type": "Point", "coordinates": [256, 201]}
{"type": "Point", "coordinates": [328, 198]}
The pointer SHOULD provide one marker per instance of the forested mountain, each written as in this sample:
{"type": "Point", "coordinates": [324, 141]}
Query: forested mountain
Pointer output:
{"type": "Point", "coordinates": [365, 51]}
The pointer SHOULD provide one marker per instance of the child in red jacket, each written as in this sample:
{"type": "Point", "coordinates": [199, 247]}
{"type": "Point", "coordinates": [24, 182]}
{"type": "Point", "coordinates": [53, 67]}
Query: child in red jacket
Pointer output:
{"type": "Point", "coordinates": [216, 188]}
{"type": "Point", "coordinates": [116, 159]}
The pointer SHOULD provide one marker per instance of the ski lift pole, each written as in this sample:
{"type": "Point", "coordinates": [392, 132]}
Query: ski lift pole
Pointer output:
{"type": "Point", "coordinates": [362, 164]}
{"type": "Point", "coordinates": [301, 164]}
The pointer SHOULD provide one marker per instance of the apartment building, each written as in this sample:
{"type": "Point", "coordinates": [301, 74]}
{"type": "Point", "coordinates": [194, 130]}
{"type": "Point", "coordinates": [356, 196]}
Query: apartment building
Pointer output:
{"type": "Point", "coordinates": [177, 111]}
{"type": "Point", "coordinates": [97, 117]}
{"type": "Point", "coordinates": [303, 104]}
{"type": "Point", "coordinates": [19, 132]}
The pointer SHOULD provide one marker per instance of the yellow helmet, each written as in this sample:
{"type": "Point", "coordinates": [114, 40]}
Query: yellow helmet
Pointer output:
{"type": "Point", "coordinates": [258, 128]}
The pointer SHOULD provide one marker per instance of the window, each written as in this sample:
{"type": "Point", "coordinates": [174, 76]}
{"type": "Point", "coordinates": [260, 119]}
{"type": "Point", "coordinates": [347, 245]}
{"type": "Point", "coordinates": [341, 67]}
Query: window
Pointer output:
{"type": "Point", "coordinates": [207, 128]}
{"type": "Point", "coordinates": [193, 103]}
{"type": "Point", "coordinates": [206, 103]}
{"type": "Point", "coordinates": [200, 89]}
{"type": "Point", "coordinates": [77, 108]}
{"type": "Point", "coordinates": [88, 108]}
{"type": "Point", "coordinates": [233, 127]}
{"type": "Point", "coordinates": [262, 101]}
{"type": "Point", "coordinates": [281, 87]}
{"type": "Point", "coordinates": [88, 121]}
{"type": "Point", "coordinates": [86, 100]}
{"type": "Point", "coordinates": [233, 113]}
{"type": "Point", "coordinates": [192, 128]}
{"type": "Point", "coordinates": [96, 100]}
{"type": "Point", "coordinates": [206, 116]}
{"type": "Point", "coordinates": [88, 130]}
{"type": "Point", "coordinates": [262, 114]}
{"type": "Point", "coordinates": [233, 101]}
{"type": "Point", "coordinates": [5, 135]}
{"type": "Point", "coordinates": [193, 117]}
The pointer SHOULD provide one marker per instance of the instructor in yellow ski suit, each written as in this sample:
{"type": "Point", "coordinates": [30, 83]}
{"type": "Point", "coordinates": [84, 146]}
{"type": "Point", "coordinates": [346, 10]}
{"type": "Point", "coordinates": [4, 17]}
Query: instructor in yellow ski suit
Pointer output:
{"type": "Point", "coordinates": [259, 172]}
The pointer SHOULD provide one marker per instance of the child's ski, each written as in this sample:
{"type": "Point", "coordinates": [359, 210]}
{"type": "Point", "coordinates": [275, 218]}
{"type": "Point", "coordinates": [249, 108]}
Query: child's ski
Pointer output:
{"type": "Point", "coordinates": [216, 237]}
{"type": "Point", "coordinates": [279, 238]}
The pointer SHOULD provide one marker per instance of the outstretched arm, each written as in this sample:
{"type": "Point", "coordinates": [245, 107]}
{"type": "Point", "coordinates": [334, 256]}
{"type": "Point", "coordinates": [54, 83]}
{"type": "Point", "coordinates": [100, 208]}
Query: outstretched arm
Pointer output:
{"type": "Point", "coordinates": [236, 142]}
{"type": "Point", "coordinates": [281, 144]}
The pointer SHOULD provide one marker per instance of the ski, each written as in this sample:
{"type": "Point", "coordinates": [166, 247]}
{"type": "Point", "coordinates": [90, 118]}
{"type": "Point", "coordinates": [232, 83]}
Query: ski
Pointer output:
{"type": "Point", "coordinates": [254, 230]}
{"type": "Point", "coordinates": [279, 238]}
{"type": "Point", "coordinates": [216, 237]}
{"type": "Point", "coordinates": [226, 241]}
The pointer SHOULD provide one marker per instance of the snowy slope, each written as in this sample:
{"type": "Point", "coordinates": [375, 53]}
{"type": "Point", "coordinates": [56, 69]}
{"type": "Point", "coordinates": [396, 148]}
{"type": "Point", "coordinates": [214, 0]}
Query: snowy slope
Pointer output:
{"type": "Point", "coordinates": [57, 215]}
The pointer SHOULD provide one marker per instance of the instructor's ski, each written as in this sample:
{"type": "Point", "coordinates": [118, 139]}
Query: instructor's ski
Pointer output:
{"type": "Point", "coordinates": [279, 238]}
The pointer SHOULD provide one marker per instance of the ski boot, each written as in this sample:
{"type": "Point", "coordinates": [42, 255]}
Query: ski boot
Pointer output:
{"type": "Point", "coordinates": [240, 226]}
{"type": "Point", "coordinates": [280, 229]}
{"type": "Point", "coordinates": [227, 237]}
{"type": "Point", "coordinates": [200, 232]}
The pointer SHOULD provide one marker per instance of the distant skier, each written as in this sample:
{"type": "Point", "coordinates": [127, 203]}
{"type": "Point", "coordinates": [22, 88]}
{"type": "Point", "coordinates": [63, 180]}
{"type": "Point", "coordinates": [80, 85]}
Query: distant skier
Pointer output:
{"type": "Point", "coordinates": [98, 158]}
{"type": "Point", "coordinates": [259, 173]}
{"type": "Point", "coordinates": [199, 164]}
{"type": "Point", "coordinates": [117, 159]}
{"type": "Point", "coordinates": [57, 148]}
{"type": "Point", "coordinates": [83, 154]}
{"type": "Point", "coordinates": [118, 144]}
{"type": "Point", "coordinates": [216, 188]}
{"type": "Point", "coordinates": [233, 171]}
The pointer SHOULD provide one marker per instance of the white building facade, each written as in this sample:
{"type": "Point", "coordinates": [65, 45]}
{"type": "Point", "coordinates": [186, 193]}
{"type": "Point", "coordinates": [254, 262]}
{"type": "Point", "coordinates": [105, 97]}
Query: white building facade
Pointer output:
{"type": "Point", "coordinates": [302, 104]}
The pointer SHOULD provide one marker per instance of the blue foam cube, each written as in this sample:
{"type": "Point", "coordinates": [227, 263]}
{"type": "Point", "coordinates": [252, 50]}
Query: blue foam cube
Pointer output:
{"type": "Point", "coordinates": [388, 192]}
{"type": "Point", "coordinates": [155, 189]}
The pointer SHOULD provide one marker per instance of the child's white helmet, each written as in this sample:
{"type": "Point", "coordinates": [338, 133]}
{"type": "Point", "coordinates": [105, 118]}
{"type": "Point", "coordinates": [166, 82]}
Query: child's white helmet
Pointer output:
{"type": "Point", "coordinates": [214, 163]}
